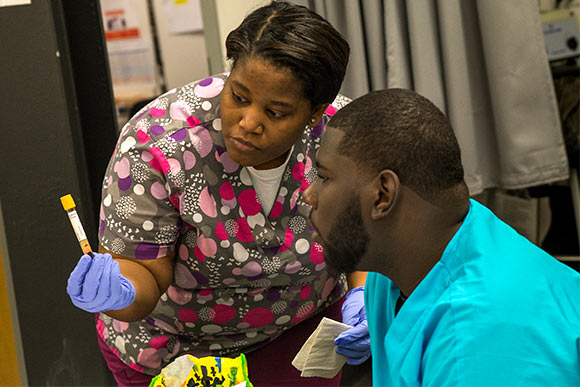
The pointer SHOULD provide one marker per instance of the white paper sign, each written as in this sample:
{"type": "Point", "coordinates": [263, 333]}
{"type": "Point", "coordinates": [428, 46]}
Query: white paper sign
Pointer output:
{"type": "Point", "coordinates": [183, 16]}
{"type": "Point", "coordinates": [9, 3]}
{"type": "Point", "coordinates": [130, 50]}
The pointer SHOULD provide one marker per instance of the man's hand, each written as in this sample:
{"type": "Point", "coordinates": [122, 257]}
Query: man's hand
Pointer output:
{"type": "Point", "coordinates": [355, 342]}
{"type": "Point", "coordinates": [97, 285]}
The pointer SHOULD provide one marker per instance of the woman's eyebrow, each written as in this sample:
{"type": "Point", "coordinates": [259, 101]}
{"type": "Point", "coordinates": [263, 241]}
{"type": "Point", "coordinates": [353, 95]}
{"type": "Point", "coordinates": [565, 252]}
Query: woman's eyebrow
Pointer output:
{"type": "Point", "coordinates": [282, 104]}
{"type": "Point", "coordinates": [243, 88]}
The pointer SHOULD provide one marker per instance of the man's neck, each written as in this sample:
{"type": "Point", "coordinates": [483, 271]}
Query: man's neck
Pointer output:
{"type": "Point", "coordinates": [422, 237]}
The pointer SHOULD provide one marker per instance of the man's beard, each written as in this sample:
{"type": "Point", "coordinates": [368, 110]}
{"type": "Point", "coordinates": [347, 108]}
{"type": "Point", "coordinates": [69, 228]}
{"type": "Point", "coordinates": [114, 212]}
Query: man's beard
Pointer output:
{"type": "Point", "coordinates": [348, 240]}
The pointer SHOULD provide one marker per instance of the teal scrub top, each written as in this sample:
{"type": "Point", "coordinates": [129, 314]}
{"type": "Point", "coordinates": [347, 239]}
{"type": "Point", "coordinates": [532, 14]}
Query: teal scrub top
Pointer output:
{"type": "Point", "coordinates": [494, 311]}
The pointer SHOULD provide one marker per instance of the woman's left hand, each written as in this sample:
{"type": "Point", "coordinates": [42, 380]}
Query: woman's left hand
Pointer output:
{"type": "Point", "coordinates": [354, 343]}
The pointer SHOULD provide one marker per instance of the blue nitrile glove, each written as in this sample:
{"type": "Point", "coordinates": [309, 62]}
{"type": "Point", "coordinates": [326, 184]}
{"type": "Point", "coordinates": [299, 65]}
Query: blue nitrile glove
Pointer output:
{"type": "Point", "coordinates": [354, 343]}
{"type": "Point", "coordinates": [97, 285]}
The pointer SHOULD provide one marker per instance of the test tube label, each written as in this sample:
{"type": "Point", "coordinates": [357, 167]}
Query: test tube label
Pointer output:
{"type": "Point", "coordinates": [77, 226]}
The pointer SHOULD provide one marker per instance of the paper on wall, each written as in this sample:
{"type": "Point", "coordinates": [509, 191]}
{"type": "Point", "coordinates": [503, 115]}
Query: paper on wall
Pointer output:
{"type": "Point", "coordinates": [130, 49]}
{"type": "Point", "coordinates": [183, 16]}
{"type": "Point", "coordinates": [9, 3]}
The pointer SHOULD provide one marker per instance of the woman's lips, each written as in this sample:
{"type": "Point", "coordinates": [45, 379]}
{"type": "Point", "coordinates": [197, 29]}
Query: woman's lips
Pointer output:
{"type": "Point", "coordinates": [244, 145]}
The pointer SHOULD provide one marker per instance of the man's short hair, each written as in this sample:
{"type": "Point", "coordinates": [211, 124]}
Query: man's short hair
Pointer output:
{"type": "Point", "coordinates": [400, 130]}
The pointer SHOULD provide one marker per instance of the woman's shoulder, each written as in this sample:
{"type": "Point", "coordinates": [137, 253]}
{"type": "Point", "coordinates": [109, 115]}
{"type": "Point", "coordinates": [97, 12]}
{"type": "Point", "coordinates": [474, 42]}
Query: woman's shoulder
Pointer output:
{"type": "Point", "coordinates": [180, 113]}
{"type": "Point", "coordinates": [340, 101]}
{"type": "Point", "coordinates": [190, 105]}
{"type": "Point", "coordinates": [314, 134]}
{"type": "Point", "coordinates": [193, 103]}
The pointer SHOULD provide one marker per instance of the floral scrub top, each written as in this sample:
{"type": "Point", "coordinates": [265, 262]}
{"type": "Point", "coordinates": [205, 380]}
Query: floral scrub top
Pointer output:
{"type": "Point", "coordinates": [240, 277]}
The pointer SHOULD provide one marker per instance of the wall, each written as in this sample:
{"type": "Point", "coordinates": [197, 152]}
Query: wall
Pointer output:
{"type": "Point", "coordinates": [127, 94]}
{"type": "Point", "coordinates": [184, 55]}
{"type": "Point", "coordinates": [230, 14]}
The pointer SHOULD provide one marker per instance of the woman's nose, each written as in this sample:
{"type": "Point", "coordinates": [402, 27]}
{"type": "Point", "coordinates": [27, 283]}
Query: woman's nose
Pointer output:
{"type": "Point", "coordinates": [251, 122]}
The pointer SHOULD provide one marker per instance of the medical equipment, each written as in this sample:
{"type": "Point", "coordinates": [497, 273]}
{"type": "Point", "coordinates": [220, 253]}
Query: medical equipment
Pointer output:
{"type": "Point", "coordinates": [69, 206]}
{"type": "Point", "coordinates": [561, 34]}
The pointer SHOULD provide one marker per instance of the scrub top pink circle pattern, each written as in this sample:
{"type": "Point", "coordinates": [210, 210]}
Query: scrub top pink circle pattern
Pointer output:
{"type": "Point", "coordinates": [241, 277]}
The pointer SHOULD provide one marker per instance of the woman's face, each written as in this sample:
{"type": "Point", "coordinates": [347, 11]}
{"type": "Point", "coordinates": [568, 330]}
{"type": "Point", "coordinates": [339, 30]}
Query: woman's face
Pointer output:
{"type": "Point", "coordinates": [263, 113]}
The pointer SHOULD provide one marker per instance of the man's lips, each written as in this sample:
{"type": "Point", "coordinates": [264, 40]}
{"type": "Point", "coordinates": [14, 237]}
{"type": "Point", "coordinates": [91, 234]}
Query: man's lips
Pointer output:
{"type": "Point", "coordinates": [315, 233]}
{"type": "Point", "coordinates": [244, 145]}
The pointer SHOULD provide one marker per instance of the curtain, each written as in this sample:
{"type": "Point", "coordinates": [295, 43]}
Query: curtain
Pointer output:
{"type": "Point", "coordinates": [482, 62]}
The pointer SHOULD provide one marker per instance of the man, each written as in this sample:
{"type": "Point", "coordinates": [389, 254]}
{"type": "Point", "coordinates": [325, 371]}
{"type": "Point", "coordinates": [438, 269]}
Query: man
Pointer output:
{"type": "Point", "coordinates": [455, 296]}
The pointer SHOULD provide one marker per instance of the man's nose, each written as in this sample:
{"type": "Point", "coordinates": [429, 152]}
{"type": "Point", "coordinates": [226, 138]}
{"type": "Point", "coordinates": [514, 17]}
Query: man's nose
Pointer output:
{"type": "Point", "coordinates": [309, 195]}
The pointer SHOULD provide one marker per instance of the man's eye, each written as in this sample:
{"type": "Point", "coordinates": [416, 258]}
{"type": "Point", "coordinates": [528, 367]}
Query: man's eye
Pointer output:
{"type": "Point", "coordinates": [322, 178]}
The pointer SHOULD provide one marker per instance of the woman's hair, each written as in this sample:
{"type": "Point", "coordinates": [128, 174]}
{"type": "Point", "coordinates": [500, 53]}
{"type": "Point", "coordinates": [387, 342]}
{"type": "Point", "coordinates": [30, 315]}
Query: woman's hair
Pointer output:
{"type": "Point", "coordinates": [292, 37]}
{"type": "Point", "coordinates": [400, 130]}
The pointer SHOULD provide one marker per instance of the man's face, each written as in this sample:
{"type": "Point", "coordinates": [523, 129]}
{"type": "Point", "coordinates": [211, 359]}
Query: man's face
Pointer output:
{"type": "Point", "coordinates": [336, 206]}
{"type": "Point", "coordinates": [348, 240]}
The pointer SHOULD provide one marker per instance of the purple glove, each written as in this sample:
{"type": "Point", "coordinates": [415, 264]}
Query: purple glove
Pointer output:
{"type": "Point", "coordinates": [354, 343]}
{"type": "Point", "coordinates": [97, 285]}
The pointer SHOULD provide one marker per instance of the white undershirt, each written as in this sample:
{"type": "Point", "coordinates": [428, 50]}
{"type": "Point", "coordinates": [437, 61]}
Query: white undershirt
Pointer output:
{"type": "Point", "coordinates": [266, 183]}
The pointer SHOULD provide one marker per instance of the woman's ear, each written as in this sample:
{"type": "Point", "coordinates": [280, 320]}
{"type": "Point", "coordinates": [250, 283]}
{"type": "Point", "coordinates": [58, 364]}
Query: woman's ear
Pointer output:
{"type": "Point", "coordinates": [317, 113]}
{"type": "Point", "coordinates": [386, 188]}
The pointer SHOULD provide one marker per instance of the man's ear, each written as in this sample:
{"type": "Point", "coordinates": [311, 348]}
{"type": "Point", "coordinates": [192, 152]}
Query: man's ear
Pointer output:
{"type": "Point", "coordinates": [386, 188]}
{"type": "Point", "coordinates": [317, 113]}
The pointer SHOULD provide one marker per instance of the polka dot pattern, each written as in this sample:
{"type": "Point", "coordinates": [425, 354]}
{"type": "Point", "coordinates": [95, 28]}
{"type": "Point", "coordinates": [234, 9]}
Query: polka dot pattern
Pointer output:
{"type": "Point", "coordinates": [239, 276]}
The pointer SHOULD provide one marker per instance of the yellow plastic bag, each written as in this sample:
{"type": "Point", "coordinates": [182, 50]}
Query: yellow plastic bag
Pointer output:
{"type": "Point", "coordinates": [190, 371]}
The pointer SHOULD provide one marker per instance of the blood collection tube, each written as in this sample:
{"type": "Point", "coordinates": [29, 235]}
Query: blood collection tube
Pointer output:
{"type": "Point", "coordinates": [69, 206]}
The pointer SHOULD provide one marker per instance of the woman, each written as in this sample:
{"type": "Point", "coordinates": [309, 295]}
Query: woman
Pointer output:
{"type": "Point", "coordinates": [202, 211]}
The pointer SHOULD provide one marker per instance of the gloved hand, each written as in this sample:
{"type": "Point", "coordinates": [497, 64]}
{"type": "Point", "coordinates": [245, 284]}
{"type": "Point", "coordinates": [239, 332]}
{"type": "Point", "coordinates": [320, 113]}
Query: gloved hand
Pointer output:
{"type": "Point", "coordinates": [354, 343]}
{"type": "Point", "coordinates": [97, 285]}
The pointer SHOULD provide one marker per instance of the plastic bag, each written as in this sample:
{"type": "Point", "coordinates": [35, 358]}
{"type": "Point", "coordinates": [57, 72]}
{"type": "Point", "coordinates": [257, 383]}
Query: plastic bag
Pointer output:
{"type": "Point", "coordinates": [190, 371]}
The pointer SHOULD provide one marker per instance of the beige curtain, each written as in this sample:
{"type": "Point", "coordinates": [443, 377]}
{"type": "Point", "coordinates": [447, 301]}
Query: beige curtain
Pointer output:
{"type": "Point", "coordinates": [483, 62]}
